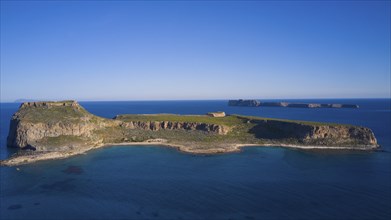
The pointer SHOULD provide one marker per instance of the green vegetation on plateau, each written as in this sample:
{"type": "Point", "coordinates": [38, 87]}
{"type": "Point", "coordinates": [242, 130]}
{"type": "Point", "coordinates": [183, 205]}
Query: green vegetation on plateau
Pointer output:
{"type": "Point", "coordinates": [229, 120]}
{"type": "Point", "coordinates": [54, 112]}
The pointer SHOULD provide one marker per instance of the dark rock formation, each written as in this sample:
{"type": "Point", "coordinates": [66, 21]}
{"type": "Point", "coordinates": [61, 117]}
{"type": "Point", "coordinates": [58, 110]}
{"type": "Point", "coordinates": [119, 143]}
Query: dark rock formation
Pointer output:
{"type": "Point", "coordinates": [241, 102]}
{"type": "Point", "coordinates": [169, 125]}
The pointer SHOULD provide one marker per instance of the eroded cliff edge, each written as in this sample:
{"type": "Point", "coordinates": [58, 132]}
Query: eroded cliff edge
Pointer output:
{"type": "Point", "coordinates": [60, 129]}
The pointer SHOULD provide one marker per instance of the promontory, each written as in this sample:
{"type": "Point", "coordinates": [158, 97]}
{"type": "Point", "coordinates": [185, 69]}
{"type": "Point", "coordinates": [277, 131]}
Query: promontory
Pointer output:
{"type": "Point", "coordinates": [49, 130]}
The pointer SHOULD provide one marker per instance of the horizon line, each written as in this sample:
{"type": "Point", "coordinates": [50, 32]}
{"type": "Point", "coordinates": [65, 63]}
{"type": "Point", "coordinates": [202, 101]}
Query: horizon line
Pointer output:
{"type": "Point", "coordinates": [154, 100]}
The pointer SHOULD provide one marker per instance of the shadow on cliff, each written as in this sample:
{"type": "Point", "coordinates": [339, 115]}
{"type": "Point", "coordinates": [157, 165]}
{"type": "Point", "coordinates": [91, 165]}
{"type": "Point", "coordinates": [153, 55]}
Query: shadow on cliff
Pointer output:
{"type": "Point", "coordinates": [29, 147]}
{"type": "Point", "coordinates": [277, 130]}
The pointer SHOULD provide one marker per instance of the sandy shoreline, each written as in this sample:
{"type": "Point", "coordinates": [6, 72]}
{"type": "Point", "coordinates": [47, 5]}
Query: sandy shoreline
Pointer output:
{"type": "Point", "coordinates": [26, 159]}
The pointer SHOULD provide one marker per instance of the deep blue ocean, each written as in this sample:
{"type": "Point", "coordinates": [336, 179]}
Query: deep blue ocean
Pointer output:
{"type": "Point", "coordinates": [153, 182]}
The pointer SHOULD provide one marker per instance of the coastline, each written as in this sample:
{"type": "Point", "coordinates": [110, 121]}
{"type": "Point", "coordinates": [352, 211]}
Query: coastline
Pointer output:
{"type": "Point", "coordinates": [27, 159]}
{"type": "Point", "coordinates": [56, 130]}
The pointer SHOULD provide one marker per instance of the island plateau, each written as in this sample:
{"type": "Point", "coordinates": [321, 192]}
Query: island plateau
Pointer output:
{"type": "Point", "coordinates": [49, 130]}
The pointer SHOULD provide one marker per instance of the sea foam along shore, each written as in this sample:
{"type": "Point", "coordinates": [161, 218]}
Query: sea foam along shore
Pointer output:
{"type": "Point", "coordinates": [26, 159]}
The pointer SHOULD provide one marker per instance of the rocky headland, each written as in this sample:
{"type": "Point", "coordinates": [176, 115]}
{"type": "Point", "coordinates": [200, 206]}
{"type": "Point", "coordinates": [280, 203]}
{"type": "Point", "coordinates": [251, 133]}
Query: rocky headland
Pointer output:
{"type": "Point", "coordinates": [49, 130]}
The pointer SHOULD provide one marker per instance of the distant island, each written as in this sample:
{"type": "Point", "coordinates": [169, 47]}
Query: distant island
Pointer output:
{"type": "Point", "coordinates": [25, 100]}
{"type": "Point", "coordinates": [257, 103]}
{"type": "Point", "coordinates": [49, 130]}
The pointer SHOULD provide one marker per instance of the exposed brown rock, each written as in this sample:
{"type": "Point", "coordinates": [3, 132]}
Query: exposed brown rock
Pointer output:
{"type": "Point", "coordinates": [165, 125]}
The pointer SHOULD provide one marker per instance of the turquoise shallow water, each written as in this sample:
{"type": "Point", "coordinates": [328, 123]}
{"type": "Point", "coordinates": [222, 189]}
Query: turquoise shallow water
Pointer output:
{"type": "Point", "coordinates": [153, 182]}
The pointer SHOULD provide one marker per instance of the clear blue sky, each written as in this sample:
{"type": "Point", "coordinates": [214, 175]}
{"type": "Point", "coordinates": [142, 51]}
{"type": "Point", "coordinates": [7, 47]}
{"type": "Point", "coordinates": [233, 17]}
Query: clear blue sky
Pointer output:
{"type": "Point", "coordinates": [102, 50]}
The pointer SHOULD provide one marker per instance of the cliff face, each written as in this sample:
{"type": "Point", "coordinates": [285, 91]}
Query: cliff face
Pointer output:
{"type": "Point", "coordinates": [24, 133]}
{"type": "Point", "coordinates": [327, 135]}
{"type": "Point", "coordinates": [342, 134]}
{"type": "Point", "coordinates": [168, 125]}
{"type": "Point", "coordinates": [37, 120]}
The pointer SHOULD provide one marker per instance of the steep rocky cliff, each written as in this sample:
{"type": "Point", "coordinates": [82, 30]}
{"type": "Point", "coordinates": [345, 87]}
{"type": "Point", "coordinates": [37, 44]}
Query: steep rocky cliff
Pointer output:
{"type": "Point", "coordinates": [63, 126]}
{"type": "Point", "coordinates": [173, 125]}
{"type": "Point", "coordinates": [35, 121]}
{"type": "Point", "coordinates": [314, 133]}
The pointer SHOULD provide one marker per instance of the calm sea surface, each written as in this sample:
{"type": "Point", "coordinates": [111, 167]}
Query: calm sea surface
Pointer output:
{"type": "Point", "coordinates": [138, 182]}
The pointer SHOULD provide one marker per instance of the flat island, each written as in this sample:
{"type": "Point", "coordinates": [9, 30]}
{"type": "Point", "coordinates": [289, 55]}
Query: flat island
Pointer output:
{"type": "Point", "coordinates": [50, 130]}
{"type": "Point", "coordinates": [257, 103]}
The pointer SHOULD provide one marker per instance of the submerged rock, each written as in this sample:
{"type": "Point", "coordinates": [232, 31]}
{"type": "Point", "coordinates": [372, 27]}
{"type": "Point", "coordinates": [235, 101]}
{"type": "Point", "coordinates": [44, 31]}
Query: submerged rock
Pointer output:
{"type": "Point", "coordinates": [13, 207]}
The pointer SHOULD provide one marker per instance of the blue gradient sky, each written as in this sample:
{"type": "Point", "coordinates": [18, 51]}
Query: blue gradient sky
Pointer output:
{"type": "Point", "coordinates": [194, 50]}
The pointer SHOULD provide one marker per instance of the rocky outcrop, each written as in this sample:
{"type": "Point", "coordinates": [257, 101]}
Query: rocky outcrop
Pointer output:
{"type": "Point", "coordinates": [22, 133]}
{"type": "Point", "coordinates": [313, 134]}
{"type": "Point", "coordinates": [341, 135]}
{"type": "Point", "coordinates": [35, 121]}
{"type": "Point", "coordinates": [172, 125]}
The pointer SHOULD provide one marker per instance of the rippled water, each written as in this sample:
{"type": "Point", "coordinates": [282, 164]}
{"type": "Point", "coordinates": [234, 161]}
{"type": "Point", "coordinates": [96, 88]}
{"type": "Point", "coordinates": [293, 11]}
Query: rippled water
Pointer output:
{"type": "Point", "coordinates": [139, 182]}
